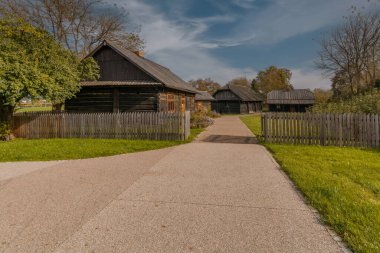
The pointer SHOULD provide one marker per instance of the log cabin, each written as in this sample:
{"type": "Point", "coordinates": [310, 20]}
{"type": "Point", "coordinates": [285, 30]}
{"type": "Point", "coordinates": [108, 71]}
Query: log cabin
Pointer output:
{"type": "Point", "coordinates": [131, 83]}
{"type": "Point", "coordinates": [290, 101]}
{"type": "Point", "coordinates": [237, 99]}
{"type": "Point", "coordinates": [203, 101]}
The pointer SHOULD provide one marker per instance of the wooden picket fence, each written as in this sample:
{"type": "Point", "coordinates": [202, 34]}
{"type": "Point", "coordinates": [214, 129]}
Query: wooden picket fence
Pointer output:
{"type": "Point", "coordinates": [361, 130]}
{"type": "Point", "coordinates": [135, 125]}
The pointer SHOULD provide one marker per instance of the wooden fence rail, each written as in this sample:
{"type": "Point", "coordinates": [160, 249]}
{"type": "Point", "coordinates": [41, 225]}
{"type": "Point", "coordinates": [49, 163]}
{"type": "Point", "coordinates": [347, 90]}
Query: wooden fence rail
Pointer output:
{"type": "Point", "coordinates": [361, 130]}
{"type": "Point", "coordinates": [135, 125]}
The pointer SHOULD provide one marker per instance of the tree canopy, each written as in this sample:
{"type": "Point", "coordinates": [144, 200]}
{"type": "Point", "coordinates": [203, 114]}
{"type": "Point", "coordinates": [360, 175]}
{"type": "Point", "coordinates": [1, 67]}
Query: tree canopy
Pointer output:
{"type": "Point", "coordinates": [242, 81]}
{"type": "Point", "coordinates": [272, 78]}
{"type": "Point", "coordinates": [78, 25]}
{"type": "Point", "coordinates": [350, 54]}
{"type": "Point", "coordinates": [33, 64]}
{"type": "Point", "coordinates": [206, 84]}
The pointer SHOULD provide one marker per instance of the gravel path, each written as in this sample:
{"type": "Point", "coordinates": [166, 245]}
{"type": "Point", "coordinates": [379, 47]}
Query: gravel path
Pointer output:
{"type": "Point", "coordinates": [222, 193]}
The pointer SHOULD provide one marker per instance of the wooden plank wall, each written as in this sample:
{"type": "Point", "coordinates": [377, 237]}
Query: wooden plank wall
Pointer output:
{"type": "Point", "coordinates": [136, 125]}
{"type": "Point", "coordinates": [359, 130]}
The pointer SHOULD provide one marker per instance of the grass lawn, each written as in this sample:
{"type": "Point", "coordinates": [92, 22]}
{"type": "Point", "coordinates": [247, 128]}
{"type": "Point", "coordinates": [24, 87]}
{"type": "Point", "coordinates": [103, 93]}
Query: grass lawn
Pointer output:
{"type": "Point", "coordinates": [65, 149]}
{"type": "Point", "coordinates": [253, 122]}
{"type": "Point", "coordinates": [34, 109]}
{"type": "Point", "coordinates": [343, 184]}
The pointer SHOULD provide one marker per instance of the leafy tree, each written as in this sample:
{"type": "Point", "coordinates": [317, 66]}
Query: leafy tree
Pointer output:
{"type": "Point", "coordinates": [33, 64]}
{"type": "Point", "coordinates": [322, 96]}
{"type": "Point", "coordinates": [272, 78]}
{"type": "Point", "coordinates": [79, 25]}
{"type": "Point", "coordinates": [242, 81]}
{"type": "Point", "coordinates": [206, 84]}
{"type": "Point", "coordinates": [351, 54]}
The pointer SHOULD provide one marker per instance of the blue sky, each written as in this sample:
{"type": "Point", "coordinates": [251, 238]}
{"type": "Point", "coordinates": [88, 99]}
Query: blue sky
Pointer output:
{"type": "Point", "coordinates": [227, 39]}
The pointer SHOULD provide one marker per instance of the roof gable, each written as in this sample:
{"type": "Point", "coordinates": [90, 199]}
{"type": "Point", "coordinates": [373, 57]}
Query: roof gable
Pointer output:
{"type": "Point", "coordinates": [158, 72]}
{"type": "Point", "coordinates": [244, 93]}
{"type": "Point", "coordinates": [299, 96]}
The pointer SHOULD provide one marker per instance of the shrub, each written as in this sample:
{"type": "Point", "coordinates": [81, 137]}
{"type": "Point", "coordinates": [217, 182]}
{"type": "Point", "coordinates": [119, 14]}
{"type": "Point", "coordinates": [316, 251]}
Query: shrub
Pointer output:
{"type": "Point", "coordinates": [5, 132]}
{"type": "Point", "coordinates": [200, 120]}
{"type": "Point", "coordinates": [365, 103]}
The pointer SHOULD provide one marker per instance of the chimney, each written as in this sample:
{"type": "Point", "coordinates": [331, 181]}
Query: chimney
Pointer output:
{"type": "Point", "coordinates": [139, 53]}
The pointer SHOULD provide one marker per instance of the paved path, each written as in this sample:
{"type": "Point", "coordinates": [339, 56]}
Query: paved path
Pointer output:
{"type": "Point", "coordinates": [219, 194]}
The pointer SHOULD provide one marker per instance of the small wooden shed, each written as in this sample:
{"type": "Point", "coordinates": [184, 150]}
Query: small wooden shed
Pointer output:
{"type": "Point", "coordinates": [237, 99]}
{"type": "Point", "coordinates": [290, 101]}
{"type": "Point", "coordinates": [131, 83]}
{"type": "Point", "coordinates": [203, 101]}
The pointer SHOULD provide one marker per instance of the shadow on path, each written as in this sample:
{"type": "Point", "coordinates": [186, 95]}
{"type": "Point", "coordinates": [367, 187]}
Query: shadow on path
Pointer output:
{"type": "Point", "coordinates": [230, 139]}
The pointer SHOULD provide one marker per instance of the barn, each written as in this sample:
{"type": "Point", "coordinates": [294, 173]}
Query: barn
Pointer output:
{"type": "Point", "coordinates": [203, 101]}
{"type": "Point", "coordinates": [237, 99]}
{"type": "Point", "coordinates": [131, 83]}
{"type": "Point", "coordinates": [290, 101]}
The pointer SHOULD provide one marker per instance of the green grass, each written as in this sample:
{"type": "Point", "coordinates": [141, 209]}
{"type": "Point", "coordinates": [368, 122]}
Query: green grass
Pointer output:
{"type": "Point", "coordinates": [33, 109]}
{"type": "Point", "coordinates": [253, 122]}
{"type": "Point", "coordinates": [343, 184]}
{"type": "Point", "coordinates": [66, 149]}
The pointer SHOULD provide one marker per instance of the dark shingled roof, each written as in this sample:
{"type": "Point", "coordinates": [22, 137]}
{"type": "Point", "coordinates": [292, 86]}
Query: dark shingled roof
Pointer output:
{"type": "Point", "coordinates": [203, 96]}
{"type": "Point", "coordinates": [301, 96]}
{"type": "Point", "coordinates": [245, 93]}
{"type": "Point", "coordinates": [157, 71]}
{"type": "Point", "coordinates": [120, 83]}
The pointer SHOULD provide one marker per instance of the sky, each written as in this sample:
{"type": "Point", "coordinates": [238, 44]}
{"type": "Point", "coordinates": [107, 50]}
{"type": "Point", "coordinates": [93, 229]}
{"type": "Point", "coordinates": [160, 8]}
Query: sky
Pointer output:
{"type": "Point", "coordinates": [224, 39]}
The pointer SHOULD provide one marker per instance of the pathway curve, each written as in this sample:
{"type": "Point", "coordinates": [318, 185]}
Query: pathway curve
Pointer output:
{"type": "Point", "coordinates": [221, 193]}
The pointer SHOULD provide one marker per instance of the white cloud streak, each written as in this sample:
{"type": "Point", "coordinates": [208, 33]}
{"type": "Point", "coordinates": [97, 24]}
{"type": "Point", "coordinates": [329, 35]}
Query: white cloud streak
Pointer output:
{"type": "Point", "coordinates": [177, 44]}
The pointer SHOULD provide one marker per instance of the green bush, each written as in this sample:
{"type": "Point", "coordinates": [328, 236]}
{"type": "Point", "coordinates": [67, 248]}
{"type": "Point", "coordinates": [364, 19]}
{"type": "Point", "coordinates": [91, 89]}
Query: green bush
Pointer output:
{"type": "Point", "coordinates": [5, 132]}
{"type": "Point", "coordinates": [365, 103]}
{"type": "Point", "coordinates": [201, 119]}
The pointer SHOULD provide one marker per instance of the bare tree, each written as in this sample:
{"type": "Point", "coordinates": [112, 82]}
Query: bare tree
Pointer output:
{"type": "Point", "coordinates": [79, 25]}
{"type": "Point", "coordinates": [351, 52]}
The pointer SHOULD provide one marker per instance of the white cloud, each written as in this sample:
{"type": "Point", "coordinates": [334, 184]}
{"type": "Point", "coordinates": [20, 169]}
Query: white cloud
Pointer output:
{"type": "Point", "coordinates": [177, 46]}
{"type": "Point", "coordinates": [309, 79]}
{"type": "Point", "coordinates": [247, 4]}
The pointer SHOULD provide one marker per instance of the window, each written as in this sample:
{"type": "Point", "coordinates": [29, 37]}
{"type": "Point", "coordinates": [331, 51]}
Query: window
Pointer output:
{"type": "Point", "coordinates": [192, 103]}
{"type": "Point", "coordinates": [170, 101]}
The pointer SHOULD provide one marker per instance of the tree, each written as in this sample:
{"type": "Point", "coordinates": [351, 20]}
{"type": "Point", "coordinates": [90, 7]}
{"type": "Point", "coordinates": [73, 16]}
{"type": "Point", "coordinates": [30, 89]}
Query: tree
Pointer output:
{"type": "Point", "coordinates": [272, 78]}
{"type": "Point", "coordinates": [78, 25]}
{"type": "Point", "coordinates": [242, 81]}
{"type": "Point", "coordinates": [351, 53]}
{"type": "Point", "coordinates": [33, 64]}
{"type": "Point", "coordinates": [322, 96]}
{"type": "Point", "coordinates": [206, 84]}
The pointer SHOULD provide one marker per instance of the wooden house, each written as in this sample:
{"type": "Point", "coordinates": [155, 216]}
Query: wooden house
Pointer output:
{"type": "Point", "coordinates": [131, 83]}
{"type": "Point", "coordinates": [203, 101]}
{"type": "Point", "coordinates": [236, 99]}
{"type": "Point", "coordinates": [290, 101]}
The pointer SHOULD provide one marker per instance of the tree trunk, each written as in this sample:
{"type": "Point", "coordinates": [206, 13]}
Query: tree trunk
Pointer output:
{"type": "Point", "coordinates": [57, 107]}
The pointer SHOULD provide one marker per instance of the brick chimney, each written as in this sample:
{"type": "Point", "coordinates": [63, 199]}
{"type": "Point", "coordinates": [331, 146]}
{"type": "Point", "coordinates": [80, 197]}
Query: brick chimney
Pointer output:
{"type": "Point", "coordinates": [139, 53]}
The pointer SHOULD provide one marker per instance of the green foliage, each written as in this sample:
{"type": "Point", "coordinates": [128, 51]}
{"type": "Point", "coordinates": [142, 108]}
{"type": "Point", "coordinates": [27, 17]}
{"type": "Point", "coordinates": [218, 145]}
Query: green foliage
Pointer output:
{"type": "Point", "coordinates": [202, 119]}
{"type": "Point", "coordinates": [365, 103]}
{"type": "Point", "coordinates": [206, 84]}
{"type": "Point", "coordinates": [4, 131]}
{"type": "Point", "coordinates": [343, 184]}
{"type": "Point", "coordinates": [33, 63]}
{"type": "Point", "coordinates": [272, 78]}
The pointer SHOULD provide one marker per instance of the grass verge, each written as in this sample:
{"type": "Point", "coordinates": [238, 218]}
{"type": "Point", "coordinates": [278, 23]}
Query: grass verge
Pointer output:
{"type": "Point", "coordinates": [66, 149]}
{"type": "Point", "coordinates": [343, 184]}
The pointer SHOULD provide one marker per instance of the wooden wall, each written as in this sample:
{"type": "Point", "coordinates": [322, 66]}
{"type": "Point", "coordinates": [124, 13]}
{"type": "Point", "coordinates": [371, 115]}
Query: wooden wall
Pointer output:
{"type": "Point", "coordinates": [114, 67]}
{"type": "Point", "coordinates": [114, 99]}
{"type": "Point", "coordinates": [225, 95]}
